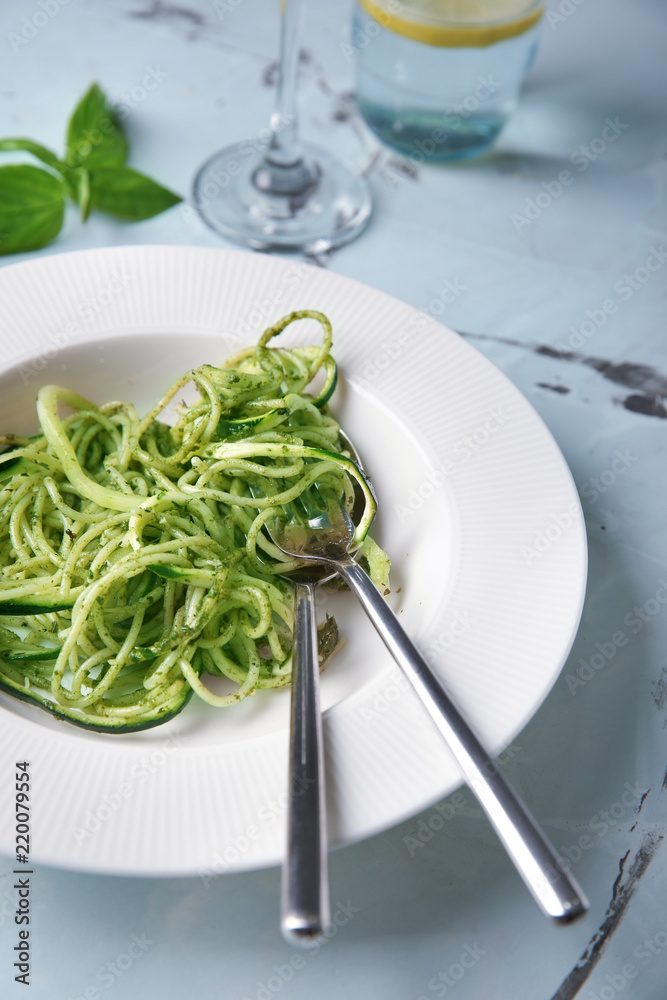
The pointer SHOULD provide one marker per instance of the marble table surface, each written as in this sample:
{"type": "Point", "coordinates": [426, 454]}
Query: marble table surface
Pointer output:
{"type": "Point", "coordinates": [449, 917]}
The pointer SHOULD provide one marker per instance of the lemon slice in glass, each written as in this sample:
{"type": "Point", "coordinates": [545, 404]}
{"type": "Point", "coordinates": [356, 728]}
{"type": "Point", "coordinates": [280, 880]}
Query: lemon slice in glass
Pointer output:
{"type": "Point", "coordinates": [455, 23]}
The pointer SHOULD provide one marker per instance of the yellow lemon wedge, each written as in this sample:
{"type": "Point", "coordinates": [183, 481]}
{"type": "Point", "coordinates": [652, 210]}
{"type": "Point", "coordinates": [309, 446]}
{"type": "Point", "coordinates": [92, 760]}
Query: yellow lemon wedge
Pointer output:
{"type": "Point", "coordinates": [455, 23]}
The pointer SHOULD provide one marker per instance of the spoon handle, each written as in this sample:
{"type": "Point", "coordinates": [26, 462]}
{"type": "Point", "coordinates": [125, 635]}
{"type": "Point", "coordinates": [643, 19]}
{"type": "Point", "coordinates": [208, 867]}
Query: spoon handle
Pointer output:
{"type": "Point", "coordinates": [537, 862]}
{"type": "Point", "coordinates": [305, 883]}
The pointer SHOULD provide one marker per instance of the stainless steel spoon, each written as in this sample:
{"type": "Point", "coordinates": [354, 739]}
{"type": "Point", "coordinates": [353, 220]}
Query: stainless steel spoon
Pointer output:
{"type": "Point", "coordinates": [305, 903]}
{"type": "Point", "coordinates": [305, 906]}
{"type": "Point", "coordinates": [305, 909]}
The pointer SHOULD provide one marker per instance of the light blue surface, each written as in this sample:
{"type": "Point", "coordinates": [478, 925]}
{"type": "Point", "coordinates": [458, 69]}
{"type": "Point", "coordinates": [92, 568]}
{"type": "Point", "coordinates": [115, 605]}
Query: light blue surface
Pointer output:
{"type": "Point", "coordinates": [409, 914]}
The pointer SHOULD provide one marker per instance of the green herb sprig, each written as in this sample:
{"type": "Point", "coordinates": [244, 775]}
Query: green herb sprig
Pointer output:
{"type": "Point", "coordinates": [93, 173]}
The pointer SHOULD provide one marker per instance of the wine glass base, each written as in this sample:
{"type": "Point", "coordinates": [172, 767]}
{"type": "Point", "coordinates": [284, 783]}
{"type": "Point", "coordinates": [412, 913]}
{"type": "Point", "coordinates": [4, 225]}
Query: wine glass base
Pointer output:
{"type": "Point", "coordinates": [331, 211]}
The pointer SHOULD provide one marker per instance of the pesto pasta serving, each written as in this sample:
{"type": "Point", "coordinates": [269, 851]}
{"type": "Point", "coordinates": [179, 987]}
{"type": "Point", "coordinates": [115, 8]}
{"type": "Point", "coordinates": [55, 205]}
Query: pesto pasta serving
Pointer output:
{"type": "Point", "coordinates": [133, 559]}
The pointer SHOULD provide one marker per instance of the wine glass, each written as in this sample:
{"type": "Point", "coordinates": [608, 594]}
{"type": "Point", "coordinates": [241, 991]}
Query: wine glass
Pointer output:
{"type": "Point", "coordinates": [285, 195]}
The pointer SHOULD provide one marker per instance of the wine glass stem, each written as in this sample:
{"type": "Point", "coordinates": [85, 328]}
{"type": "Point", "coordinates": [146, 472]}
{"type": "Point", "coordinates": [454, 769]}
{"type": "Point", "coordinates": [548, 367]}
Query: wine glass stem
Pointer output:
{"type": "Point", "coordinates": [284, 171]}
{"type": "Point", "coordinates": [285, 148]}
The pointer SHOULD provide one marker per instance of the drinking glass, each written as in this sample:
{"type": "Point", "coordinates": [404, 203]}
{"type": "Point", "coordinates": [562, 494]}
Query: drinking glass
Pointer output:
{"type": "Point", "coordinates": [439, 78]}
{"type": "Point", "coordinates": [281, 193]}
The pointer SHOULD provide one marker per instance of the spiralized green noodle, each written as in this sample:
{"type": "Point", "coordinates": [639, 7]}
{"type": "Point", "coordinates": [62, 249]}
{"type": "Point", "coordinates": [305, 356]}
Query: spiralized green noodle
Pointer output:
{"type": "Point", "coordinates": [132, 555]}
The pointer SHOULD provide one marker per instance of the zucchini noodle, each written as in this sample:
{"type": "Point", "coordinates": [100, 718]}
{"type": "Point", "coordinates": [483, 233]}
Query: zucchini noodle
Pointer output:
{"type": "Point", "coordinates": [133, 560]}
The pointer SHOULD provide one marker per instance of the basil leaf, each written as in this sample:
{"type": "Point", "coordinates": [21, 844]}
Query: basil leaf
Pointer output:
{"type": "Point", "coordinates": [95, 136]}
{"type": "Point", "coordinates": [28, 146]}
{"type": "Point", "coordinates": [78, 185]}
{"type": "Point", "coordinates": [32, 206]}
{"type": "Point", "coordinates": [128, 194]}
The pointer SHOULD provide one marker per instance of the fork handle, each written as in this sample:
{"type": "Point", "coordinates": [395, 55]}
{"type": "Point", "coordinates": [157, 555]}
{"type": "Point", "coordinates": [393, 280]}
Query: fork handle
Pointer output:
{"type": "Point", "coordinates": [537, 862]}
{"type": "Point", "coordinates": [305, 883]}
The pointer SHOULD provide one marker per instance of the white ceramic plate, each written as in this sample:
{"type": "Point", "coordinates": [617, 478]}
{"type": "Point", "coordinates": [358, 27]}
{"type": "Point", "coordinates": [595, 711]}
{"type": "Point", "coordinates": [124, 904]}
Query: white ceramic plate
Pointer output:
{"type": "Point", "coordinates": [478, 512]}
